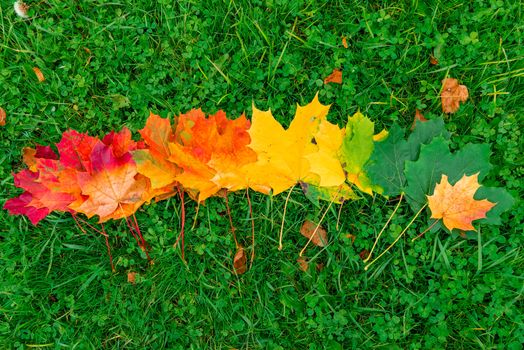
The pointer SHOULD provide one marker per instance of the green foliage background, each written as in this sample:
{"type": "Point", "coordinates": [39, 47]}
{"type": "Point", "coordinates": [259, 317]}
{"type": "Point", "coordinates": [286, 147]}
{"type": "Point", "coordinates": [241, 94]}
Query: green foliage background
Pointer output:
{"type": "Point", "coordinates": [107, 64]}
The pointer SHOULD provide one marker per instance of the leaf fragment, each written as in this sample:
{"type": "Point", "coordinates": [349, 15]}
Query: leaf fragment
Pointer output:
{"type": "Point", "coordinates": [335, 77]}
{"type": "Point", "coordinates": [39, 74]}
{"type": "Point", "coordinates": [452, 95]}
{"type": "Point", "coordinates": [2, 117]}
{"type": "Point", "coordinates": [240, 261]}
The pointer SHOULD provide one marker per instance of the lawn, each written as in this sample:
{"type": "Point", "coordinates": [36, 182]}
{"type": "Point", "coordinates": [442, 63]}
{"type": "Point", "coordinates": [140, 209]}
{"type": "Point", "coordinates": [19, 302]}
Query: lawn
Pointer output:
{"type": "Point", "coordinates": [108, 64]}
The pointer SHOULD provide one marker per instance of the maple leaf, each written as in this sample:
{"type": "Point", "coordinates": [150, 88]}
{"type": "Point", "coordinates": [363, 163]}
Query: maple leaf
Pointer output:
{"type": "Point", "coordinates": [385, 167]}
{"type": "Point", "coordinates": [153, 162]}
{"type": "Point", "coordinates": [121, 142]}
{"type": "Point", "coordinates": [113, 187]}
{"type": "Point", "coordinates": [356, 150]}
{"type": "Point", "coordinates": [335, 77]}
{"type": "Point", "coordinates": [306, 151]}
{"type": "Point", "coordinates": [21, 206]}
{"type": "Point", "coordinates": [75, 149]}
{"type": "Point", "coordinates": [435, 160]}
{"type": "Point", "coordinates": [212, 153]}
{"type": "Point", "coordinates": [452, 94]}
{"type": "Point", "coordinates": [455, 205]}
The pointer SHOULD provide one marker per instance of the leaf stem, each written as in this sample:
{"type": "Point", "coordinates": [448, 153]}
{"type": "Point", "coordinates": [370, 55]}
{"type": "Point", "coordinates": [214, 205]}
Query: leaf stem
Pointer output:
{"type": "Point", "coordinates": [426, 230]}
{"type": "Point", "coordinates": [384, 227]}
{"type": "Point", "coordinates": [108, 249]}
{"type": "Point", "coordinates": [231, 222]}
{"type": "Point", "coordinates": [182, 224]}
{"type": "Point", "coordinates": [396, 240]}
{"type": "Point", "coordinates": [280, 246]}
{"type": "Point", "coordinates": [252, 227]}
{"type": "Point", "coordinates": [318, 225]}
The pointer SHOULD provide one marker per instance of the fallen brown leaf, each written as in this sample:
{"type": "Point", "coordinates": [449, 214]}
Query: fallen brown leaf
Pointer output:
{"type": "Point", "coordinates": [303, 264]}
{"type": "Point", "coordinates": [39, 74]}
{"type": "Point", "coordinates": [452, 94]}
{"type": "Point", "coordinates": [433, 60]}
{"type": "Point", "coordinates": [335, 77]}
{"type": "Point", "coordinates": [418, 117]}
{"type": "Point", "coordinates": [345, 42]}
{"type": "Point", "coordinates": [239, 261]}
{"type": "Point", "coordinates": [318, 238]}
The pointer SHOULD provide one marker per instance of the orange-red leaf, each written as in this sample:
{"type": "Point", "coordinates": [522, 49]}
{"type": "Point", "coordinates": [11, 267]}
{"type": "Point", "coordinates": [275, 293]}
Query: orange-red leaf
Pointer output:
{"type": "Point", "coordinates": [452, 94]}
{"type": "Point", "coordinates": [455, 205]}
{"type": "Point", "coordinates": [153, 162]}
{"type": "Point", "coordinates": [113, 187]}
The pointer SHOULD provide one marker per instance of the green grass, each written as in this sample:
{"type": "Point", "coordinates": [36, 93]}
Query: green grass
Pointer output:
{"type": "Point", "coordinates": [107, 64]}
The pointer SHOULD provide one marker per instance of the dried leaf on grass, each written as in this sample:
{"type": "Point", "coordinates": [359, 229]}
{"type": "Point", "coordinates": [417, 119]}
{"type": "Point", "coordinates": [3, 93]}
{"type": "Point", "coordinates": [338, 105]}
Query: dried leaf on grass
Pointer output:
{"type": "Point", "coordinates": [240, 261]}
{"type": "Point", "coordinates": [452, 94]}
{"type": "Point", "coordinates": [334, 77]}
{"type": "Point", "coordinates": [39, 74]}
{"type": "Point", "coordinates": [131, 277]}
{"type": "Point", "coordinates": [318, 235]}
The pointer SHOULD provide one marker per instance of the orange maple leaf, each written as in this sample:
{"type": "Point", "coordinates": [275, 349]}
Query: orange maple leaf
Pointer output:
{"type": "Point", "coordinates": [211, 151]}
{"type": "Point", "coordinates": [455, 205]}
{"type": "Point", "coordinates": [152, 162]}
{"type": "Point", "coordinates": [114, 188]}
{"type": "Point", "coordinates": [452, 94]}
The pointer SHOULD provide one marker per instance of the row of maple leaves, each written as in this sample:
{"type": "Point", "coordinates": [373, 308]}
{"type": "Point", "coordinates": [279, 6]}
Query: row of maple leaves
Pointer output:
{"type": "Point", "coordinates": [201, 156]}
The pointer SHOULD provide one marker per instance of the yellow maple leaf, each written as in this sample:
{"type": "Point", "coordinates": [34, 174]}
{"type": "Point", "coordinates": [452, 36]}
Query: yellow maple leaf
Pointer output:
{"type": "Point", "coordinates": [305, 152]}
{"type": "Point", "coordinates": [455, 205]}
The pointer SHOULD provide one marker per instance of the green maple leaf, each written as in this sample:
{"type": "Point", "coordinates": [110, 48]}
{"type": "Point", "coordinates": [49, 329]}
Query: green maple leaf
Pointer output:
{"type": "Point", "coordinates": [436, 159]}
{"type": "Point", "coordinates": [357, 147]}
{"type": "Point", "coordinates": [385, 168]}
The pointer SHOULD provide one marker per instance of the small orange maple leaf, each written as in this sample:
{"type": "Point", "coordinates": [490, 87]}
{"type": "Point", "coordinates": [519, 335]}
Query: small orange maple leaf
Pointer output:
{"type": "Point", "coordinates": [452, 94]}
{"type": "Point", "coordinates": [455, 205]}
